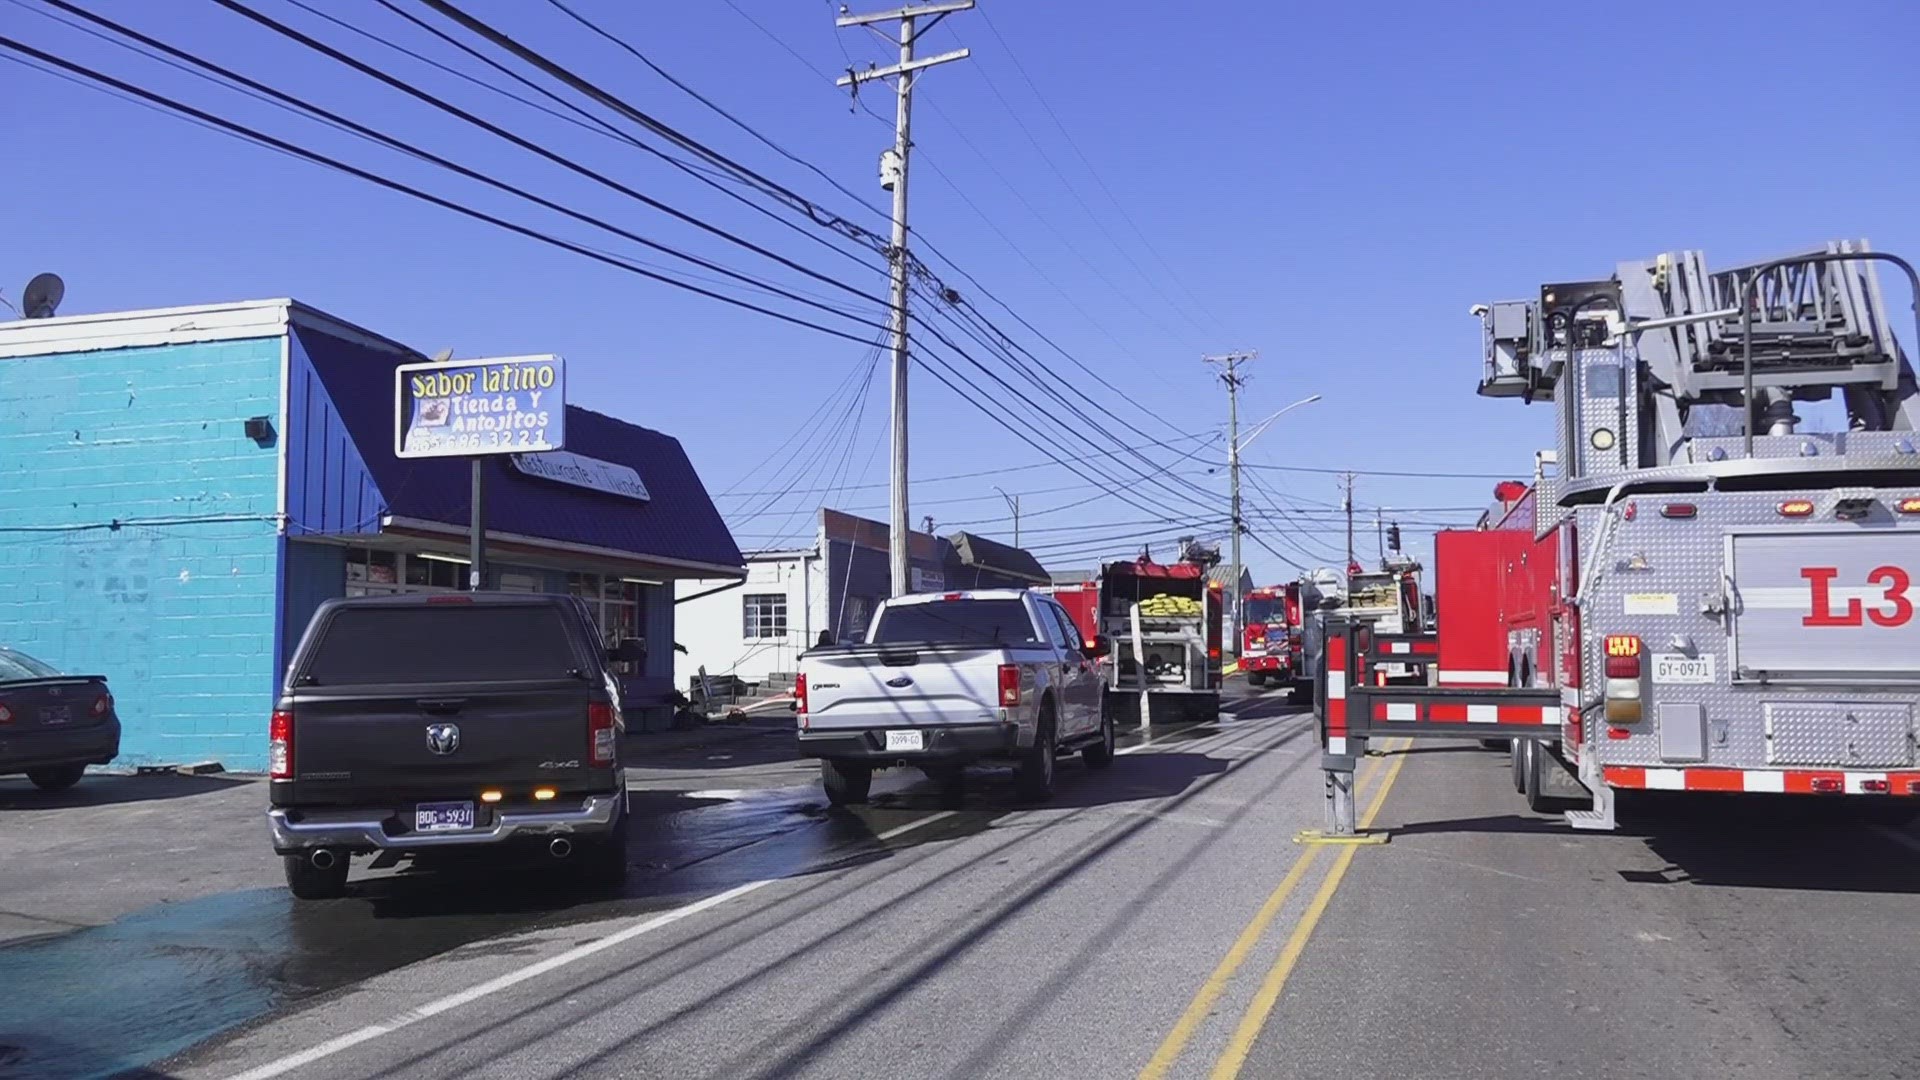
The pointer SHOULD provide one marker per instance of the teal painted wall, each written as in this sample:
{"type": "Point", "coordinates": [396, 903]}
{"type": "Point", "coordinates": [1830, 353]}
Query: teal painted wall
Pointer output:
{"type": "Point", "coordinates": [138, 538]}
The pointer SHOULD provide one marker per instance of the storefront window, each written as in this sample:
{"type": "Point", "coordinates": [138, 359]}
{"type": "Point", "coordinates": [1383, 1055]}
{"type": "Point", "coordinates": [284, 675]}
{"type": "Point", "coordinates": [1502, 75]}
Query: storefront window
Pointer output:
{"type": "Point", "coordinates": [619, 609]}
{"type": "Point", "coordinates": [372, 573]}
{"type": "Point", "coordinates": [764, 616]}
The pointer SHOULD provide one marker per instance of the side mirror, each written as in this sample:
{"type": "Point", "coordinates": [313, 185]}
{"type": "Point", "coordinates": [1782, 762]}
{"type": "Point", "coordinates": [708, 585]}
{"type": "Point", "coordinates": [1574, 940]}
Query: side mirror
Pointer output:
{"type": "Point", "coordinates": [629, 650]}
{"type": "Point", "coordinates": [1096, 648]}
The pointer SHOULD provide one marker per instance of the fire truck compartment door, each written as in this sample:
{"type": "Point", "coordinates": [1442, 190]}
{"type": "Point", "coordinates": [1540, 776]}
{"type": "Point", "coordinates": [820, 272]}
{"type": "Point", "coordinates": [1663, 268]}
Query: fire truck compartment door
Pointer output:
{"type": "Point", "coordinates": [1825, 603]}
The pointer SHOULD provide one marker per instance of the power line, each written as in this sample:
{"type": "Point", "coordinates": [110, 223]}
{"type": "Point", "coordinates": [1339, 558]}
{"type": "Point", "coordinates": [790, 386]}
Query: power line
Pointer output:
{"type": "Point", "coordinates": [261, 91]}
{"type": "Point", "coordinates": [1098, 178]}
{"type": "Point", "coordinates": [1417, 474]}
{"type": "Point", "coordinates": [526, 144]}
{"type": "Point", "coordinates": [998, 472]}
{"type": "Point", "coordinates": [253, 135]}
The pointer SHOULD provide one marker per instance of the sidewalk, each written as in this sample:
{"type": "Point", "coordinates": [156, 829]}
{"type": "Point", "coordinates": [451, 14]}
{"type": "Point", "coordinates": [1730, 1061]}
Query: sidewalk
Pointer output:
{"type": "Point", "coordinates": [717, 732]}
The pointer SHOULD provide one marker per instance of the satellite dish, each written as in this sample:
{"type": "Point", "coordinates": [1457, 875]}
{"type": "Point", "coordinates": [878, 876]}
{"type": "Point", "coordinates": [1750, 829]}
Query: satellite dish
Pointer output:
{"type": "Point", "coordinates": [43, 295]}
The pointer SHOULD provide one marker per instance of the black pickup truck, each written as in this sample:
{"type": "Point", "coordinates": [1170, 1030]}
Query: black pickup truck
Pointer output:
{"type": "Point", "coordinates": [442, 724]}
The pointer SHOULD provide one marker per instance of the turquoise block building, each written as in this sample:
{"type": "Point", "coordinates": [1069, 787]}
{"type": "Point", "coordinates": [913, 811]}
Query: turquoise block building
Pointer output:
{"type": "Point", "coordinates": [180, 488]}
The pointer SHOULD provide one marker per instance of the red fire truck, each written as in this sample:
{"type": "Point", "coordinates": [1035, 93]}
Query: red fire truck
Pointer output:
{"type": "Point", "coordinates": [1696, 592]}
{"type": "Point", "coordinates": [1271, 640]}
{"type": "Point", "coordinates": [1164, 620]}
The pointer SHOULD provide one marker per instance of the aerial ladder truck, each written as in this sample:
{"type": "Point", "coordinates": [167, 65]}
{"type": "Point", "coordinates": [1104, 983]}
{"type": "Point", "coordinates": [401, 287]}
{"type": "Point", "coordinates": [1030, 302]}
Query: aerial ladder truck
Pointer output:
{"type": "Point", "coordinates": [1703, 589]}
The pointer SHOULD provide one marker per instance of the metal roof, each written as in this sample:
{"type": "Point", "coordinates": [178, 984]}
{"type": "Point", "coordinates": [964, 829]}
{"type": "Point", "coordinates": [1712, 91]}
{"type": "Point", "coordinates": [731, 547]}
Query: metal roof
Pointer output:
{"type": "Point", "coordinates": [678, 525]}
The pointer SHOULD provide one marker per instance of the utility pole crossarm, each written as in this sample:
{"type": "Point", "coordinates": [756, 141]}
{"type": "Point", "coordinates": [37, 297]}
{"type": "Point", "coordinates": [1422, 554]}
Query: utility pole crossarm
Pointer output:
{"type": "Point", "coordinates": [904, 13]}
{"type": "Point", "coordinates": [854, 78]}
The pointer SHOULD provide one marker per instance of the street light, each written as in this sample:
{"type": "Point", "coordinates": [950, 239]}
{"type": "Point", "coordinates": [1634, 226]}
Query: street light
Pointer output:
{"type": "Point", "coordinates": [1013, 503]}
{"type": "Point", "coordinates": [1234, 446]}
{"type": "Point", "coordinates": [1262, 425]}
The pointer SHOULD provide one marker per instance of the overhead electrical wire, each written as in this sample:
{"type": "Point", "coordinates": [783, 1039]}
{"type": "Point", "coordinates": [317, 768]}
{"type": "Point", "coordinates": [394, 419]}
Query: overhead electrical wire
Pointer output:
{"type": "Point", "coordinates": [259, 90]}
{"type": "Point", "coordinates": [249, 134]}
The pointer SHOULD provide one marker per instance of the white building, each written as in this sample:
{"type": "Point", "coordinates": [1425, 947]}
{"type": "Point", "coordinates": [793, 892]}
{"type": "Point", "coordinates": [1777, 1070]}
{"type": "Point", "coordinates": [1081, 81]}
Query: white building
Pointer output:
{"type": "Point", "coordinates": [760, 628]}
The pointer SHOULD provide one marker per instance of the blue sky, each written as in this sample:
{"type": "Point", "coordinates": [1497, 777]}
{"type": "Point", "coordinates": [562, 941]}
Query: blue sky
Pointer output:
{"type": "Point", "coordinates": [1335, 184]}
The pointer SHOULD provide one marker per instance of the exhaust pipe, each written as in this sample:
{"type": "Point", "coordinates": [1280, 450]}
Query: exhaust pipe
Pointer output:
{"type": "Point", "coordinates": [560, 848]}
{"type": "Point", "coordinates": [322, 859]}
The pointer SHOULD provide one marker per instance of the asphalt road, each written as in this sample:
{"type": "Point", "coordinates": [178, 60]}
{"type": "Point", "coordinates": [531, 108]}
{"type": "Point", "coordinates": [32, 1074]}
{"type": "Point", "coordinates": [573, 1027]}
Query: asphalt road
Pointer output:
{"type": "Point", "coordinates": [1157, 919]}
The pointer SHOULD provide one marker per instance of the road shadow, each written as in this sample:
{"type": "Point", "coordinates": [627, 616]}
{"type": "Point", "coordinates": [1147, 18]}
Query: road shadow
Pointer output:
{"type": "Point", "coordinates": [1772, 842]}
{"type": "Point", "coordinates": [1492, 823]}
{"type": "Point", "coordinates": [111, 789]}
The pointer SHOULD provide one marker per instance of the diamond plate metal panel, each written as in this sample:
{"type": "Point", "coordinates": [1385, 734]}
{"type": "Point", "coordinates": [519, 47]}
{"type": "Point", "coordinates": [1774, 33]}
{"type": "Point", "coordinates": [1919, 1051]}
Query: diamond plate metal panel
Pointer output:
{"type": "Point", "coordinates": [1848, 734]}
{"type": "Point", "coordinates": [1673, 572]}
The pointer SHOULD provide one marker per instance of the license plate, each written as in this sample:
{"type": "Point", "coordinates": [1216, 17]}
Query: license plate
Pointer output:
{"type": "Point", "coordinates": [1672, 668]}
{"type": "Point", "coordinates": [55, 714]}
{"type": "Point", "coordinates": [442, 816]}
{"type": "Point", "coordinates": [906, 740]}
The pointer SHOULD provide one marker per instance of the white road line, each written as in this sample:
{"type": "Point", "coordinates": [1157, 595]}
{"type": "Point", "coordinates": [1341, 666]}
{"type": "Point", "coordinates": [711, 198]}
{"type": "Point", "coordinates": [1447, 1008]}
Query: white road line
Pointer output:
{"type": "Point", "coordinates": [284, 1065]}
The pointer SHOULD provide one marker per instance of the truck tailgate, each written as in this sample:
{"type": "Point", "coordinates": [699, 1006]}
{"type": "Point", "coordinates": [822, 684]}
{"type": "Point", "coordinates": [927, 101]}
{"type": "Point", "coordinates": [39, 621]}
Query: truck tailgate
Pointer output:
{"type": "Point", "coordinates": [903, 686]}
{"type": "Point", "coordinates": [1825, 602]}
{"type": "Point", "coordinates": [424, 741]}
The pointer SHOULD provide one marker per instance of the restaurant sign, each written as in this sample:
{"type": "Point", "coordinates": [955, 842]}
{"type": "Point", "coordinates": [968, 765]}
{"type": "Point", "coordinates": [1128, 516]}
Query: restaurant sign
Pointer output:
{"type": "Point", "coordinates": [469, 408]}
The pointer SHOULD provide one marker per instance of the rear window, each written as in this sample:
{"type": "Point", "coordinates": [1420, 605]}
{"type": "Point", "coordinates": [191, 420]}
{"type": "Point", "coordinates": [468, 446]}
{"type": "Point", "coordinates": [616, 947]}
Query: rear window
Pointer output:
{"type": "Point", "coordinates": [18, 665]}
{"type": "Point", "coordinates": [957, 622]}
{"type": "Point", "coordinates": [451, 643]}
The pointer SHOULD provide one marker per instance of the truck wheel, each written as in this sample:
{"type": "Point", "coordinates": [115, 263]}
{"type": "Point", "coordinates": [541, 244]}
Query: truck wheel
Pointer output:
{"type": "Point", "coordinates": [603, 861]}
{"type": "Point", "coordinates": [309, 882]}
{"type": "Point", "coordinates": [1539, 760]}
{"type": "Point", "coordinates": [1517, 761]}
{"type": "Point", "coordinates": [1493, 744]}
{"type": "Point", "coordinates": [1033, 776]}
{"type": "Point", "coordinates": [1099, 755]}
{"type": "Point", "coordinates": [1300, 693]}
{"type": "Point", "coordinates": [847, 782]}
{"type": "Point", "coordinates": [1256, 678]}
{"type": "Point", "coordinates": [952, 782]}
{"type": "Point", "coordinates": [57, 778]}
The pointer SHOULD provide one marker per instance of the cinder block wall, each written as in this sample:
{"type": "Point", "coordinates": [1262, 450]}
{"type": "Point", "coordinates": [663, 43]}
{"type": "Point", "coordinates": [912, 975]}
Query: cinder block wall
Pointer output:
{"type": "Point", "coordinates": [138, 540]}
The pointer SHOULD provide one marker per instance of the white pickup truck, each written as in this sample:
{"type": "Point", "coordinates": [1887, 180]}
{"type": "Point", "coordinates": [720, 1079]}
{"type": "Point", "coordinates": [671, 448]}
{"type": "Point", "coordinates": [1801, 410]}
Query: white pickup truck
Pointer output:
{"type": "Point", "coordinates": [945, 680]}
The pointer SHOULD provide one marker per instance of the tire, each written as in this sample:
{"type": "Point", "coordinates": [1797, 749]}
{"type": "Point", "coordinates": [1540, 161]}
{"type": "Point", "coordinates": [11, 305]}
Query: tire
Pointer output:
{"type": "Point", "coordinates": [1517, 755]}
{"type": "Point", "coordinates": [1099, 755]}
{"type": "Point", "coordinates": [952, 782]}
{"type": "Point", "coordinates": [1300, 693]}
{"type": "Point", "coordinates": [308, 882]}
{"type": "Point", "coordinates": [57, 777]}
{"type": "Point", "coordinates": [1493, 744]}
{"type": "Point", "coordinates": [1033, 776]}
{"type": "Point", "coordinates": [1539, 760]}
{"type": "Point", "coordinates": [846, 782]}
{"type": "Point", "coordinates": [603, 861]}
{"type": "Point", "coordinates": [1256, 678]}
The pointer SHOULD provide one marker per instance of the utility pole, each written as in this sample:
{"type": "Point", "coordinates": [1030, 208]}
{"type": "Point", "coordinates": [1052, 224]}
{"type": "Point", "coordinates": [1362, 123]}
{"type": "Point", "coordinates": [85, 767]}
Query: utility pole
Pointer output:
{"type": "Point", "coordinates": [1380, 534]}
{"type": "Point", "coordinates": [1013, 502]}
{"type": "Point", "coordinates": [1346, 503]}
{"type": "Point", "coordinates": [893, 176]}
{"type": "Point", "coordinates": [1231, 376]}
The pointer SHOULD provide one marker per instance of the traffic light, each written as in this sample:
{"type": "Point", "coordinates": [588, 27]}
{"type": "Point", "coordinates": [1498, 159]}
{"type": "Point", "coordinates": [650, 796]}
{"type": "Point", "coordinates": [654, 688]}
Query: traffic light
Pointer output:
{"type": "Point", "coordinates": [1393, 536]}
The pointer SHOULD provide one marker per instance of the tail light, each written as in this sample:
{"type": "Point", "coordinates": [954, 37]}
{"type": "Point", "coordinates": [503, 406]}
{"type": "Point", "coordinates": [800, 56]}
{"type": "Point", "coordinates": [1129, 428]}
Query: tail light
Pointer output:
{"type": "Point", "coordinates": [1623, 679]}
{"type": "Point", "coordinates": [6, 713]}
{"type": "Point", "coordinates": [1009, 685]}
{"type": "Point", "coordinates": [1796, 508]}
{"type": "Point", "coordinates": [1679, 510]}
{"type": "Point", "coordinates": [280, 745]}
{"type": "Point", "coordinates": [102, 704]}
{"type": "Point", "coordinates": [603, 736]}
{"type": "Point", "coordinates": [1826, 785]}
{"type": "Point", "coordinates": [1873, 787]}
{"type": "Point", "coordinates": [800, 693]}
{"type": "Point", "coordinates": [1908, 506]}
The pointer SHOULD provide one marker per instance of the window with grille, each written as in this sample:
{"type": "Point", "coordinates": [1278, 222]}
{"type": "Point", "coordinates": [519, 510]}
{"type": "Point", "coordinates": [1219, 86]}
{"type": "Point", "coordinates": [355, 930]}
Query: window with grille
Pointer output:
{"type": "Point", "coordinates": [764, 616]}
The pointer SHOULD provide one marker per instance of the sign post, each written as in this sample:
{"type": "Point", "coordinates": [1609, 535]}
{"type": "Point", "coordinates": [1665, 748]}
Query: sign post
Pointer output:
{"type": "Point", "coordinates": [478, 409]}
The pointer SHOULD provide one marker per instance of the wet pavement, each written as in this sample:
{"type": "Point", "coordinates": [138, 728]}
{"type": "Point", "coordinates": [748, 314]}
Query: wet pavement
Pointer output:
{"type": "Point", "coordinates": [144, 915]}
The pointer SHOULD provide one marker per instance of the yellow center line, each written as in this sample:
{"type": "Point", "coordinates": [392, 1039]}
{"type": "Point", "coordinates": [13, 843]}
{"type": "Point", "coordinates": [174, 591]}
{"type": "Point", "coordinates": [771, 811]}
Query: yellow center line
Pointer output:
{"type": "Point", "coordinates": [1235, 1056]}
{"type": "Point", "coordinates": [1216, 984]}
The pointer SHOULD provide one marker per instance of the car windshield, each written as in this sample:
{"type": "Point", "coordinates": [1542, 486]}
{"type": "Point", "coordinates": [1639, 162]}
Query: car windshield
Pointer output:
{"type": "Point", "coordinates": [18, 665]}
{"type": "Point", "coordinates": [450, 643]}
{"type": "Point", "coordinates": [957, 622]}
{"type": "Point", "coordinates": [1262, 609]}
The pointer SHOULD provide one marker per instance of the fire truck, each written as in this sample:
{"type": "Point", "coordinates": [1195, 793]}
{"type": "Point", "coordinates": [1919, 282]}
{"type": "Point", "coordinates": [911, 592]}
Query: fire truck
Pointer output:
{"type": "Point", "coordinates": [1164, 621]}
{"type": "Point", "coordinates": [1708, 584]}
{"type": "Point", "coordinates": [1270, 642]}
